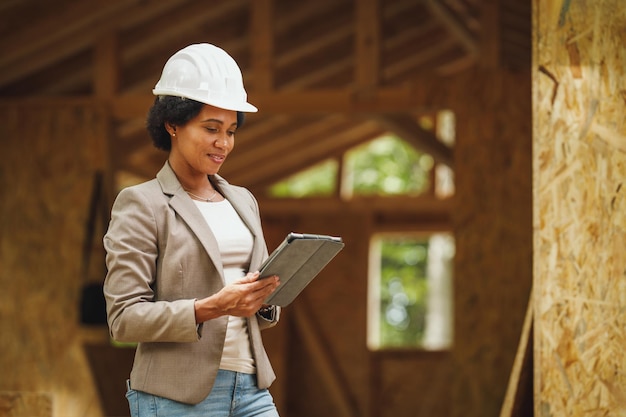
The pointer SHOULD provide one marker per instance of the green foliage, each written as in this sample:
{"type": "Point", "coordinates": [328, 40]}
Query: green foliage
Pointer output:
{"type": "Point", "coordinates": [384, 166]}
{"type": "Point", "coordinates": [318, 181]}
{"type": "Point", "coordinates": [388, 166]}
{"type": "Point", "coordinates": [403, 292]}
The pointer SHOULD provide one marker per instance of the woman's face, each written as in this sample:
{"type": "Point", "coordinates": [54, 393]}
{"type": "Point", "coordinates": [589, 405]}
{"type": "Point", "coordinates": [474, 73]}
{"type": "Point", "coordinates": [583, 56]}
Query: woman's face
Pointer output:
{"type": "Point", "coordinates": [201, 146]}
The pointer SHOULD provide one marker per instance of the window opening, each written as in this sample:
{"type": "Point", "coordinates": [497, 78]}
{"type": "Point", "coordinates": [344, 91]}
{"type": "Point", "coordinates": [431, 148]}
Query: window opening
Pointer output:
{"type": "Point", "coordinates": [410, 291]}
{"type": "Point", "coordinates": [386, 166]}
{"type": "Point", "coordinates": [317, 181]}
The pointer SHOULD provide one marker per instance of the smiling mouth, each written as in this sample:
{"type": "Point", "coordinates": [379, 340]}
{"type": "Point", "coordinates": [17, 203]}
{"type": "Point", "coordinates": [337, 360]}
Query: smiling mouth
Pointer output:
{"type": "Point", "coordinates": [217, 158]}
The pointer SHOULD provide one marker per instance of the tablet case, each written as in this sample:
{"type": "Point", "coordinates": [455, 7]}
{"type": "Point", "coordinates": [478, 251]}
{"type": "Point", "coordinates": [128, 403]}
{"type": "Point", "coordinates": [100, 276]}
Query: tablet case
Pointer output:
{"type": "Point", "coordinates": [297, 260]}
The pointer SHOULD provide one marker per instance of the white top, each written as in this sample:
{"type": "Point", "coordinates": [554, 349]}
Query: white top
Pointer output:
{"type": "Point", "coordinates": [235, 243]}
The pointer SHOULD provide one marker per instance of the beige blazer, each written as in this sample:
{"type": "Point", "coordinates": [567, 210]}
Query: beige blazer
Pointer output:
{"type": "Point", "coordinates": [161, 257]}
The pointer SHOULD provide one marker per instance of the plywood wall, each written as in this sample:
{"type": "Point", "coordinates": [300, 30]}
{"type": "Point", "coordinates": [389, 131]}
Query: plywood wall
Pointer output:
{"type": "Point", "coordinates": [49, 153]}
{"type": "Point", "coordinates": [579, 169]}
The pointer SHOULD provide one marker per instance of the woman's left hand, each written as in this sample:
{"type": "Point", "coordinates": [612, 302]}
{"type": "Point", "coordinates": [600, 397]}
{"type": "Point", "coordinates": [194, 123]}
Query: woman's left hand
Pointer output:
{"type": "Point", "coordinates": [243, 298]}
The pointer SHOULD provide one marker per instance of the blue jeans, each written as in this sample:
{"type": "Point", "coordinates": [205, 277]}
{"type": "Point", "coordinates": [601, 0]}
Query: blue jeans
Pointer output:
{"type": "Point", "coordinates": [233, 395]}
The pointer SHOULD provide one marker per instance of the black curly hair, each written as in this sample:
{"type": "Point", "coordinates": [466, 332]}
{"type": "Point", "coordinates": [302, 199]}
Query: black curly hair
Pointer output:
{"type": "Point", "coordinates": [176, 111]}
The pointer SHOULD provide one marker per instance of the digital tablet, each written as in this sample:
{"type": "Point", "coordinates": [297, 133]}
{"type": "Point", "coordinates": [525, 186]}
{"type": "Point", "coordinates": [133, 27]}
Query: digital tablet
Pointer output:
{"type": "Point", "coordinates": [297, 260]}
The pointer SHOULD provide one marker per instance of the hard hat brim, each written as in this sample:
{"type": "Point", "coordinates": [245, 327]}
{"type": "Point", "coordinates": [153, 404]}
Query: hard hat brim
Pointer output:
{"type": "Point", "coordinates": [222, 104]}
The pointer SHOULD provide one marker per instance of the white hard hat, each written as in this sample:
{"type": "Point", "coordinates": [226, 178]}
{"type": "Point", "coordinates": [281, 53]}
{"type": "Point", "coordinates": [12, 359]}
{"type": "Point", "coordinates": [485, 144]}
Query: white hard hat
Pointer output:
{"type": "Point", "coordinates": [205, 73]}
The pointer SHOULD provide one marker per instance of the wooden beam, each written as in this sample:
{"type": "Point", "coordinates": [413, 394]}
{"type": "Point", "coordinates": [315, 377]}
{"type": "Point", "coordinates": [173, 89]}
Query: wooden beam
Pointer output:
{"type": "Point", "coordinates": [8, 4]}
{"type": "Point", "coordinates": [288, 57]}
{"type": "Point", "coordinates": [424, 58]}
{"type": "Point", "coordinates": [455, 66]}
{"type": "Point", "coordinates": [73, 29]}
{"type": "Point", "coordinates": [38, 36]}
{"type": "Point", "coordinates": [262, 41]}
{"type": "Point", "coordinates": [161, 30]}
{"type": "Point", "coordinates": [452, 23]}
{"type": "Point", "coordinates": [143, 163]}
{"type": "Point", "coordinates": [423, 205]}
{"type": "Point", "coordinates": [518, 401]}
{"type": "Point", "coordinates": [300, 157]}
{"type": "Point", "coordinates": [297, 15]}
{"type": "Point", "coordinates": [307, 142]}
{"type": "Point", "coordinates": [408, 129]}
{"type": "Point", "coordinates": [392, 99]}
{"type": "Point", "coordinates": [318, 74]}
{"type": "Point", "coordinates": [491, 36]}
{"type": "Point", "coordinates": [262, 126]}
{"type": "Point", "coordinates": [334, 382]}
{"type": "Point", "coordinates": [289, 139]}
{"type": "Point", "coordinates": [106, 67]}
{"type": "Point", "coordinates": [367, 65]}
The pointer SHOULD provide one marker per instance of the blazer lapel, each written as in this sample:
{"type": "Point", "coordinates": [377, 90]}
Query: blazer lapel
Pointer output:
{"type": "Point", "coordinates": [187, 210]}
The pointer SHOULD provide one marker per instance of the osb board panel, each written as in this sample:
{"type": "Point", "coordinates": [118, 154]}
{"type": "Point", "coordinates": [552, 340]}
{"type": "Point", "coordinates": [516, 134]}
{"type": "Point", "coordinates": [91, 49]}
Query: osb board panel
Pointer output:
{"type": "Point", "coordinates": [493, 229]}
{"type": "Point", "coordinates": [50, 151]}
{"type": "Point", "coordinates": [579, 209]}
{"type": "Point", "coordinates": [25, 404]}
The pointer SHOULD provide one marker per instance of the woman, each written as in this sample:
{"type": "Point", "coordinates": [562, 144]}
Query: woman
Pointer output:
{"type": "Point", "coordinates": [179, 251]}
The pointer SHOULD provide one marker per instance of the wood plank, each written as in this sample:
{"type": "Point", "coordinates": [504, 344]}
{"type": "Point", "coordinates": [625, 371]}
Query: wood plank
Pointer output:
{"type": "Point", "coordinates": [106, 68]}
{"type": "Point", "coordinates": [318, 74]}
{"type": "Point", "coordinates": [328, 38]}
{"type": "Point", "coordinates": [300, 157]}
{"type": "Point", "coordinates": [314, 341]}
{"type": "Point", "coordinates": [293, 134]}
{"type": "Point", "coordinates": [24, 403]}
{"type": "Point", "coordinates": [62, 26]}
{"type": "Point", "coordinates": [367, 44]}
{"type": "Point", "coordinates": [423, 205]}
{"type": "Point", "coordinates": [299, 15]}
{"type": "Point", "coordinates": [423, 59]}
{"type": "Point", "coordinates": [58, 37]}
{"type": "Point", "coordinates": [462, 35]}
{"type": "Point", "coordinates": [518, 401]}
{"type": "Point", "coordinates": [491, 39]}
{"type": "Point", "coordinates": [410, 97]}
{"type": "Point", "coordinates": [262, 41]}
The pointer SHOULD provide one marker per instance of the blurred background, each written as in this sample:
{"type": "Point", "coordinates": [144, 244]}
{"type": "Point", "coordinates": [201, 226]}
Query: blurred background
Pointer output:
{"type": "Point", "coordinates": [455, 145]}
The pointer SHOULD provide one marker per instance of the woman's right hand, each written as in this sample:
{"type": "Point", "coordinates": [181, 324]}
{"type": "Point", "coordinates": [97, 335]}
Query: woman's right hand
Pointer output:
{"type": "Point", "coordinates": [242, 298]}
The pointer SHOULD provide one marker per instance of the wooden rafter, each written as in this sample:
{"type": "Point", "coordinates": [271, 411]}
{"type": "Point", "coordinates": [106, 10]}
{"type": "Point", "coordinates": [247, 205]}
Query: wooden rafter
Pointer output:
{"type": "Point", "coordinates": [326, 39]}
{"type": "Point", "coordinates": [422, 206]}
{"type": "Point", "coordinates": [409, 97]}
{"type": "Point", "coordinates": [319, 73]}
{"type": "Point", "coordinates": [301, 157]}
{"type": "Point", "coordinates": [453, 23]}
{"type": "Point", "coordinates": [296, 138]}
{"type": "Point", "coordinates": [46, 42]}
{"type": "Point", "coordinates": [174, 24]}
{"type": "Point", "coordinates": [367, 44]}
{"type": "Point", "coordinates": [408, 129]}
{"type": "Point", "coordinates": [337, 389]}
{"type": "Point", "coordinates": [490, 35]}
{"type": "Point", "coordinates": [106, 68]}
{"type": "Point", "coordinates": [262, 45]}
